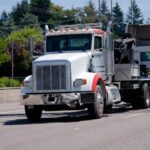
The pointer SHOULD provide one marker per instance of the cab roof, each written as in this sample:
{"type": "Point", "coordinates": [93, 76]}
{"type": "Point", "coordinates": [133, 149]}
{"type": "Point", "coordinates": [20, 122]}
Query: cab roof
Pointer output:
{"type": "Point", "coordinates": [93, 28]}
{"type": "Point", "coordinates": [70, 31]}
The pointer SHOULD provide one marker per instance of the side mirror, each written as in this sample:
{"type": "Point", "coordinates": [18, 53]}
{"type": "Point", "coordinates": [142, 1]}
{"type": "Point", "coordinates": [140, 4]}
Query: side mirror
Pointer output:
{"type": "Point", "coordinates": [36, 47]}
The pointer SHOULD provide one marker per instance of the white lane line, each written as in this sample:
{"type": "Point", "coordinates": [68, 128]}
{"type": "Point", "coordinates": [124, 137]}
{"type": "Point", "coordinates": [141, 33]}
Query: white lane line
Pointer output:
{"type": "Point", "coordinates": [13, 111]}
{"type": "Point", "coordinates": [132, 116]}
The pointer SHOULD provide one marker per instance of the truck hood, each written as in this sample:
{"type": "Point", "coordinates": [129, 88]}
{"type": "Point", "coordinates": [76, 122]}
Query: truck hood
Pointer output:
{"type": "Point", "coordinates": [63, 56]}
{"type": "Point", "coordinates": [79, 60]}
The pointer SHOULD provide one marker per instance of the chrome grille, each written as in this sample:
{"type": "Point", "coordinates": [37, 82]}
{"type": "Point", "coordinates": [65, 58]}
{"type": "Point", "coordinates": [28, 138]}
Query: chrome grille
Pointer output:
{"type": "Point", "coordinates": [52, 77]}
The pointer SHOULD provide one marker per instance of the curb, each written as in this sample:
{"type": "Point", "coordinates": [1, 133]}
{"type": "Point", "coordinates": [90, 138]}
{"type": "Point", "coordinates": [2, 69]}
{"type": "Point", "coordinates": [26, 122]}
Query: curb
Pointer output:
{"type": "Point", "coordinates": [11, 94]}
{"type": "Point", "coordinates": [10, 88]}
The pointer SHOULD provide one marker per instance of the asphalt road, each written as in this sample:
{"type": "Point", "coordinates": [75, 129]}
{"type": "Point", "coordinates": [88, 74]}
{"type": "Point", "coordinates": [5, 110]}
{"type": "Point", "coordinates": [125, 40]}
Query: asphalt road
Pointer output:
{"type": "Point", "coordinates": [122, 129]}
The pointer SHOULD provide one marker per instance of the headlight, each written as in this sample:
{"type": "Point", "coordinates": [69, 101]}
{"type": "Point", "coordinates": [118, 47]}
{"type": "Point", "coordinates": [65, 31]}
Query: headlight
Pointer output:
{"type": "Point", "coordinates": [79, 82]}
{"type": "Point", "coordinates": [25, 83]}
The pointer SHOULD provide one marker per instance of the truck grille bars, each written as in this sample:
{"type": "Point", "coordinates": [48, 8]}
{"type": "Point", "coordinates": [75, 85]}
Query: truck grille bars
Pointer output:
{"type": "Point", "coordinates": [51, 78]}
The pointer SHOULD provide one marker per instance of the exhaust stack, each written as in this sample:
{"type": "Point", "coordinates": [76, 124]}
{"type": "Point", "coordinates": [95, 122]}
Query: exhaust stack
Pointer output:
{"type": "Point", "coordinates": [46, 29]}
{"type": "Point", "coordinates": [109, 54]}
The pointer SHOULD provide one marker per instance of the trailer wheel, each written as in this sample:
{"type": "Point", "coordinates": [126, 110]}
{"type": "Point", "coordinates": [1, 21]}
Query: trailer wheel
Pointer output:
{"type": "Point", "coordinates": [33, 113]}
{"type": "Point", "coordinates": [96, 109]}
{"type": "Point", "coordinates": [145, 98]}
{"type": "Point", "coordinates": [136, 104]}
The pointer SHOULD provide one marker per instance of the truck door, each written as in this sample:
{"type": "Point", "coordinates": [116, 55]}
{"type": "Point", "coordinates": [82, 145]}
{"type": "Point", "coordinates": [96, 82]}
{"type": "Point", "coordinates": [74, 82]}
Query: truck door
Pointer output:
{"type": "Point", "coordinates": [98, 57]}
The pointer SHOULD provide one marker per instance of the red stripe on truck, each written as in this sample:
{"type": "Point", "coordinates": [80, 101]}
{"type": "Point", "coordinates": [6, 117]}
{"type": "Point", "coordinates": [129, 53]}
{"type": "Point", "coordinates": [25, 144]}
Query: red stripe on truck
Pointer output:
{"type": "Point", "coordinates": [95, 81]}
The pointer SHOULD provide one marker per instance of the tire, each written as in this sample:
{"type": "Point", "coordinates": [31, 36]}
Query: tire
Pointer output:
{"type": "Point", "coordinates": [96, 109]}
{"type": "Point", "coordinates": [108, 108]}
{"type": "Point", "coordinates": [145, 96]}
{"type": "Point", "coordinates": [136, 105]}
{"type": "Point", "coordinates": [33, 113]}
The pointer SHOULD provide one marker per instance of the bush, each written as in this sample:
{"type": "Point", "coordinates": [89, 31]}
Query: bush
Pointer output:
{"type": "Point", "coordinates": [8, 82]}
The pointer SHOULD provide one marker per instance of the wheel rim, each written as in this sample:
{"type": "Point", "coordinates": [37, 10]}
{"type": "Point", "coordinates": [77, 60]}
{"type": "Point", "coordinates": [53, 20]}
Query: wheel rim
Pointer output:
{"type": "Point", "coordinates": [100, 102]}
{"type": "Point", "coordinates": [147, 98]}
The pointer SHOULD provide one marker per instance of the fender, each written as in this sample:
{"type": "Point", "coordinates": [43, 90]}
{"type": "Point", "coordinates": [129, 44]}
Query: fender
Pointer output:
{"type": "Point", "coordinates": [96, 79]}
{"type": "Point", "coordinates": [26, 85]}
{"type": "Point", "coordinates": [92, 80]}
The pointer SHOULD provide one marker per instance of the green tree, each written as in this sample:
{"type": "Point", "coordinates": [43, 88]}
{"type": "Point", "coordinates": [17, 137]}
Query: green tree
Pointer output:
{"type": "Point", "coordinates": [6, 24]}
{"type": "Point", "coordinates": [29, 20]}
{"type": "Point", "coordinates": [118, 19]}
{"type": "Point", "coordinates": [148, 20]}
{"type": "Point", "coordinates": [41, 9]}
{"type": "Point", "coordinates": [105, 14]}
{"type": "Point", "coordinates": [22, 56]}
{"type": "Point", "coordinates": [90, 13]}
{"type": "Point", "coordinates": [104, 8]}
{"type": "Point", "coordinates": [134, 15]}
{"type": "Point", "coordinates": [4, 16]}
{"type": "Point", "coordinates": [80, 15]}
{"type": "Point", "coordinates": [69, 16]}
{"type": "Point", "coordinates": [57, 14]}
{"type": "Point", "coordinates": [61, 16]}
{"type": "Point", "coordinates": [20, 36]}
{"type": "Point", "coordinates": [4, 56]}
{"type": "Point", "coordinates": [19, 11]}
{"type": "Point", "coordinates": [6, 27]}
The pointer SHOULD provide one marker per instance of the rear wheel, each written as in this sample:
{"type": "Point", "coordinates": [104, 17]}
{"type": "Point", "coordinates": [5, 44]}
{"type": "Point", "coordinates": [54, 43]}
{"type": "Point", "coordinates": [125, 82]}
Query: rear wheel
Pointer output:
{"type": "Point", "coordinates": [145, 98]}
{"type": "Point", "coordinates": [96, 109]}
{"type": "Point", "coordinates": [33, 113]}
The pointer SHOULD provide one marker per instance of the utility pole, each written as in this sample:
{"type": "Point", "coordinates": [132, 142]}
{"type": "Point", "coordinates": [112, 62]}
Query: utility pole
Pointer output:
{"type": "Point", "coordinates": [12, 59]}
{"type": "Point", "coordinates": [111, 5]}
{"type": "Point", "coordinates": [99, 10]}
{"type": "Point", "coordinates": [131, 11]}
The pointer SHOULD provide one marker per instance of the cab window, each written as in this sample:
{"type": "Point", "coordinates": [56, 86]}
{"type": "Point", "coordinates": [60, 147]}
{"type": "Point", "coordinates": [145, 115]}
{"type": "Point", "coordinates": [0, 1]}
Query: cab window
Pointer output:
{"type": "Point", "coordinates": [97, 43]}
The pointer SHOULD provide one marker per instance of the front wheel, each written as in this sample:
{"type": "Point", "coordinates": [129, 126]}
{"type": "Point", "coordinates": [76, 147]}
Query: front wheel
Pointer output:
{"type": "Point", "coordinates": [33, 113]}
{"type": "Point", "coordinates": [96, 109]}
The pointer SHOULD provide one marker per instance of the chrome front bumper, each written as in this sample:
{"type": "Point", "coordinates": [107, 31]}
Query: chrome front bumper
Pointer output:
{"type": "Point", "coordinates": [31, 100]}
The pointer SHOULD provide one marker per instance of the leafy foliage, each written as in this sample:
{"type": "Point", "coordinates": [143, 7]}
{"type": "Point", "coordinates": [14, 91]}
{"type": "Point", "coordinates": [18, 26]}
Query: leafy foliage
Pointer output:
{"type": "Point", "coordinates": [22, 56]}
{"type": "Point", "coordinates": [6, 24]}
{"type": "Point", "coordinates": [22, 35]}
{"type": "Point", "coordinates": [4, 56]}
{"type": "Point", "coordinates": [105, 14]}
{"type": "Point", "coordinates": [61, 16]}
{"type": "Point", "coordinates": [21, 52]}
{"type": "Point", "coordinates": [29, 20]}
{"type": "Point", "coordinates": [90, 12]}
{"type": "Point", "coordinates": [134, 15]}
{"type": "Point", "coordinates": [19, 11]}
{"type": "Point", "coordinates": [40, 8]}
{"type": "Point", "coordinates": [8, 82]}
{"type": "Point", "coordinates": [118, 20]}
{"type": "Point", "coordinates": [148, 20]}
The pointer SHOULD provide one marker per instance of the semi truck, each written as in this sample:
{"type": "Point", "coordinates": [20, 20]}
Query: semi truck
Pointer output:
{"type": "Point", "coordinates": [84, 68]}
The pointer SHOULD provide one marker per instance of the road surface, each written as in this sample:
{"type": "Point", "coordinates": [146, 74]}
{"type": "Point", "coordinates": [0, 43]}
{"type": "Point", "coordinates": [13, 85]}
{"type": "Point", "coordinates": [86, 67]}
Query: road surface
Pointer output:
{"type": "Point", "coordinates": [123, 129]}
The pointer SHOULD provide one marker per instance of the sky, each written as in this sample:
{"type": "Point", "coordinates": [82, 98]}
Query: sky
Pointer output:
{"type": "Point", "coordinates": [143, 5]}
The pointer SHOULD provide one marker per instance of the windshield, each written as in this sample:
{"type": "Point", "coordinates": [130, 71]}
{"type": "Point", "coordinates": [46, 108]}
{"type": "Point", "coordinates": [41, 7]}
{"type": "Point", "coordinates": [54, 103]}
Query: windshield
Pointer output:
{"type": "Point", "coordinates": [68, 42]}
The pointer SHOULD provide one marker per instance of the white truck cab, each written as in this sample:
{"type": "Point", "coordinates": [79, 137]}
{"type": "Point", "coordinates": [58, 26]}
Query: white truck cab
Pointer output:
{"type": "Point", "coordinates": [75, 72]}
